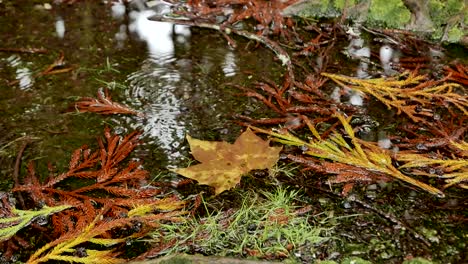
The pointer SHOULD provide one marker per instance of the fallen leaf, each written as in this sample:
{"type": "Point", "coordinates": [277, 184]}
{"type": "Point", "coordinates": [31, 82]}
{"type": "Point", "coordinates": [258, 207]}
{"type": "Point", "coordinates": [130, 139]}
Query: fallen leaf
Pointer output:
{"type": "Point", "coordinates": [223, 164]}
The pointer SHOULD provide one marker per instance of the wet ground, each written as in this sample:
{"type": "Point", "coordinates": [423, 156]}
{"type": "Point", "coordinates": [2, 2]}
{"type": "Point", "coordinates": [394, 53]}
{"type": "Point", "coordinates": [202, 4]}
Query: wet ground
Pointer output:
{"type": "Point", "coordinates": [180, 78]}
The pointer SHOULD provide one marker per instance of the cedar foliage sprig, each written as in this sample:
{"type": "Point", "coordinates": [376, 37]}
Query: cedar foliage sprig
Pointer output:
{"type": "Point", "coordinates": [453, 169]}
{"type": "Point", "coordinates": [103, 105]}
{"type": "Point", "coordinates": [18, 219]}
{"type": "Point", "coordinates": [406, 93]}
{"type": "Point", "coordinates": [104, 167]}
{"type": "Point", "coordinates": [113, 204]}
{"type": "Point", "coordinates": [358, 154]}
{"type": "Point", "coordinates": [70, 247]}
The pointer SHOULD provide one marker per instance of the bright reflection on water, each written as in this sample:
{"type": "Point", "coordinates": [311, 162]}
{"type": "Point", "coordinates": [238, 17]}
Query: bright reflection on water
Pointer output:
{"type": "Point", "coordinates": [24, 76]}
{"type": "Point", "coordinates": [176, 86]}
{"type": "Point", "coordinates": [157, 35]}
{"type": "Point", "coordinates": [153, 87]}
{"type": "Point", "coordinates": [60, 27]}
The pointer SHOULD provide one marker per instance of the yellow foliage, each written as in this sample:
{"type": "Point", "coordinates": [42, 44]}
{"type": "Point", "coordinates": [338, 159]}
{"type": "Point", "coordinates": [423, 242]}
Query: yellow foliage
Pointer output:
{"type": "Point", "coordinates": [223, 164]}
{"type": "Point", "coordinates": [66, 248]}
{"type": "Point", "coordinates": [359, 154]}
{"type": "Point", "coordinates": [455, 171]}
{"type": "Point", "coordinates": [9, 226]}
{"type": "Point", "coordinates": [405, 92]}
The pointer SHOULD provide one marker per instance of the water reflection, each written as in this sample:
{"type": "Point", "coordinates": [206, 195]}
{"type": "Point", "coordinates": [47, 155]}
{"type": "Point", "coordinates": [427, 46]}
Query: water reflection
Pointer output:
{"type": "Point", "coordinates": [24, 75]}
{"type": "Point", "coordinates": [118, 10]}
{"type": "Point", "coordinates": [178, 86]}
{"type": "Point", "coordinates": [60, 27]}
{"type": "Point", "coordinates": [229, 64]}
{"type": "Point", "coordinates": [154, 88]}
{"type": "Point", "coordinates": [157, 35]}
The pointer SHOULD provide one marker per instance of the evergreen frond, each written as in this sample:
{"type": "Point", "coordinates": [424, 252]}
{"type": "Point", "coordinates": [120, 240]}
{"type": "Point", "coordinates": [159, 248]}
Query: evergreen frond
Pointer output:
{"type": "Point", "coordinates": [405, 92]}
{"type": "Point", "coordinates": [454, 170]}
{"type": "Point", "coordinates": [9, 226]}
{"type": "Point", "coordinates": [64, 247]}
{"type": "Point", "coordinates": [165, 204]}
{"type": "Point", "coordinates": [359, 153]}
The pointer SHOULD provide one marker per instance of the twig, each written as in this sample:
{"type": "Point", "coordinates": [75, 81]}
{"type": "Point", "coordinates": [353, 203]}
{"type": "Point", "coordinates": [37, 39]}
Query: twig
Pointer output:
{"type": "Point", "coordinates": [17, 169]}
{"type": "Point", "coordinates": [390, 218]}
{"type": "Point", "coordinates": [54, 68]}
{"type": "Point", "coordinates": [24, 50]}
{"type": "Point", "coordinates": [281, 54]}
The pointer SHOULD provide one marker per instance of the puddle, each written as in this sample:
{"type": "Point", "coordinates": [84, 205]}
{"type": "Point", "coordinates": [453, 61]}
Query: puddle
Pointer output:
{"type": "Point", "coordinates": [175, 75]}
{"type": "Point", "coordinates": [180, 85]}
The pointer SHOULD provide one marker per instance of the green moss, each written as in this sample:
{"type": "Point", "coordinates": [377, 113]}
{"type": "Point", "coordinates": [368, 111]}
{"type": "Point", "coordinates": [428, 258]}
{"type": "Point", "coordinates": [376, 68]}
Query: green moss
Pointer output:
{"type": "Point", "coordinates": [267, 226]}
{"type": "Point", "coordinates": [392, 13]}
{"type": "Point", "coordinates": [442, 11]}
{"type": "Point", "coordinates": [324, 5]}
{"type": "Point", "coordinates": [455, 34]}
{"type": "Point", "coordinates": [448, 13]}
{"type": "Point", "coordinates": [326, 262]}
{"type": "Point", "coordinates": [417, 261]}
{"type": "Point", "coordinates": [341, 4]}
{"type": "Point", "coordinates": [355, 260]}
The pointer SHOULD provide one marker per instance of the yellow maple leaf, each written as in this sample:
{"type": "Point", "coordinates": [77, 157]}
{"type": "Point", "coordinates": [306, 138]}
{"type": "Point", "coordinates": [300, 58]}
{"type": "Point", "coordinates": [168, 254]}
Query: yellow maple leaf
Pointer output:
{"type": "Point", "coordinates": [223, 164]}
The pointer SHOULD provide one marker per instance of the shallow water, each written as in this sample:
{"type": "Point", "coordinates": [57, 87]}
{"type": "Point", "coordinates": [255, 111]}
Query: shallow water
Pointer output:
{"type": "Point", "coordinates": [176, 76]}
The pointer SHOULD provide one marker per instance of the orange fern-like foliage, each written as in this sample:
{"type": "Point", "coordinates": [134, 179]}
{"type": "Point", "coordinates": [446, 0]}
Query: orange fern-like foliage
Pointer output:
{"type": "Point", "coordinates": [458, 73]}
{"type": "Point", "coordinates": [103, 167]}
{"type": "Point", "coordinates": [101, 231]}
{"type": "Point", "coordinates": [111, 204]}
{"type": "Point", "coordinates": [103, 105]}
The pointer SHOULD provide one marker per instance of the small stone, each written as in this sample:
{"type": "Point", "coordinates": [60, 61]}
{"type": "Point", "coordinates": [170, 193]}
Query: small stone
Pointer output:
{"type": "Point", "coordinates": [347, 205]}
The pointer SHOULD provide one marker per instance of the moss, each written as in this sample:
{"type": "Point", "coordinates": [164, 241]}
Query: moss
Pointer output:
{"type": "Point", "coordinates": [265, 227]}
{"type": "Point", "coordinates": [392, 13]}
{"type": "Point", "coordinates": [440, 11]}
{"type": "Point", "coordinates": [417, 261]}
{"type": "Point", "coordinates": [341, 4]}
{"type": "Point", "coordinates": [326, 262]}
{"type": "Point", "coordinates": [355, 260]}
{"type": "Point", "coordinates": [455, 34]}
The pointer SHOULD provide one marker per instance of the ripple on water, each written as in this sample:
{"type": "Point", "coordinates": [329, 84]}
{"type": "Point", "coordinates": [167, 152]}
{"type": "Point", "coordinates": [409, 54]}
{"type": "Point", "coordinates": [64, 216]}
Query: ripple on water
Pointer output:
{"type": "Point", "coordinates": [154, 88]}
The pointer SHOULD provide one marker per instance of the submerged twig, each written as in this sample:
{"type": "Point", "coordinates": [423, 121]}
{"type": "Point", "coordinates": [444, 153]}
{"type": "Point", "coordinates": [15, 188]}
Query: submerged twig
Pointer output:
{"type": "Point", "coordinates": [24, 50]}
{"type": "Point", "coordinates": [55, 68]}
{"type": "Point", "coordinates": [391, 218]}
{"type": "Point", "coordinates": [281, 54]}
{"type": "Point", "coordinates": [17, 169]}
